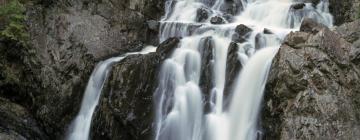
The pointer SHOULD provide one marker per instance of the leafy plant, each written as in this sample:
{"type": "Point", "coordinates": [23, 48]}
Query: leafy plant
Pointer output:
{"type": "Point", "coordinates": [12, 15]}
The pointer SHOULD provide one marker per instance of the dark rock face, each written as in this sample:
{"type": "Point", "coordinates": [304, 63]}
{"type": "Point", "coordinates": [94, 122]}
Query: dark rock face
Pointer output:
{"type": "Point", "coordinates": [202, 14]}
{"type": "Point", "coordinates": [310, 26]}
{"type": "Point", "coordinates": [298, 6]}
{"type": "Point", "coordinates": [241, 33]}
{"type": "Point", "coordinates": [231, 7]}
{"type": "Point", "coordinates": [267, 31]}
{"type": "Point", "coordinates": [313, 90]}
{"type": "Point", "coordinates": [16, 123]}
{"type": "Point", "coordinates": [233, 67]}
{"type": "Point", "coordinates": [217, 20]}
{"type": "Point", "coordinates": [344, 11]}
{"type": "Point", "coordinates": [126, 107]}
{"type": "Point", "coordinates": [314, 2]}
{"type": "Point", "coordinates": [206, 50]}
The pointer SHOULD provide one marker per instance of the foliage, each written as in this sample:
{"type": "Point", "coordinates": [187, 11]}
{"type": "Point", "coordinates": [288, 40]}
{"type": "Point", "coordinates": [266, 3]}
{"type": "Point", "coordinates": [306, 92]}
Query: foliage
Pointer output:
{"type": "Point", "coordinates": [12, 16]}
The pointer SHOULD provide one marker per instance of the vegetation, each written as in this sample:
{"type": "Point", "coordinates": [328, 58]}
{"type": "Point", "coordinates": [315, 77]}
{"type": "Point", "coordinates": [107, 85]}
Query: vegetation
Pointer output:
{"type": "Point", "coordinates": [12, 22]}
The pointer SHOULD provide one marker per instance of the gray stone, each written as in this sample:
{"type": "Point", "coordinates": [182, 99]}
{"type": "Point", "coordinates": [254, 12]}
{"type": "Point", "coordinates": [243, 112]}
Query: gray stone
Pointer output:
{"type": "Point", "coordinates": [313, 89]}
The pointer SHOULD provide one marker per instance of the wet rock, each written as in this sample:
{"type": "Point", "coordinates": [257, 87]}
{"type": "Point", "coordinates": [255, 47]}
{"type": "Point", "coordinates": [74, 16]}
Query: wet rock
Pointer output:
{"type": "Point", "coordinates": [231, 7]}
{"type": "Point", "coordinates": [241, 34]}
{"type": "Point", "coordinates": [217, 20]}
{"type": "Point", "coordinates": [233, 67]}
{"type": "Point", "coordinates": [267, 31]}
{"type": "Point", "coordinates": [202, 14]}
{"type": "Point", "coordinates": [260, 41]}
{"type": "Point", "coordinates": [297, 6]}
{"type": "Point", "coordinates": [310, 26]}
{"type": "Point", "coordinates": [314, 2]}
{"type": "Point", "coordinates": [228, 17]}
{"type": "Point", "coordinates": [206, 49]}
{"type": "Point", "coordinates": [126, 107]}
{"type": "Point", "coordinates": [312, 91]}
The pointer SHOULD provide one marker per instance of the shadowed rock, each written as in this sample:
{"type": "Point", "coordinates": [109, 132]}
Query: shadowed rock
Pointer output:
{"type": "Point", "coordinates": [310, 26]}
{"type": "Point", "coordinates": [206, 49]}
{"type": "Point", "coordinates": [126, 107]}
{"type": "Point", "coordinates": [233, 67]}
{"type": "Point", "coordinates": [313, 88]}
{"type": "Point", "coordinates": [298, 6]}
{"type": "Point", "coordinates": [217, 20]}
{"type": "Point", "coordinates": [241, 34]}
{"type": "Point", "coordinates": [202, 14]}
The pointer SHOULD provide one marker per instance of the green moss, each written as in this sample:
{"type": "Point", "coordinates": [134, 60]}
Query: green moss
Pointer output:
{"type": "Point", "coordinates": [12, 16]}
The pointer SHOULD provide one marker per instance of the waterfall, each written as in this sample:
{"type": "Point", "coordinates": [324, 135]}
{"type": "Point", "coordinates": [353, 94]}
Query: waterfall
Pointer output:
{"type": "Point", "coordinates": [80, 127]}
{"type": "Point", "coordinates": [182, 112]}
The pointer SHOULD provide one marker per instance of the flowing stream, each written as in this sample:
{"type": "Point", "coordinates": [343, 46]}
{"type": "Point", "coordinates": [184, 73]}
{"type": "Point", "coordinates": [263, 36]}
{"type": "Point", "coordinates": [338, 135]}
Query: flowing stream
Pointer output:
{"type": "Point", "coordinates": [80, 127]}
{"type": "Point", "coordinates": [182, 112]}
{"type": "Point", "coordinates": [185, 110]}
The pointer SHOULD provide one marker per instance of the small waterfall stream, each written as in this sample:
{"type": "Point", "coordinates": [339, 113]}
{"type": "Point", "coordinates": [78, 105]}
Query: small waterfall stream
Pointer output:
{"type": "Point", "coordinates": [80, 127]}
{"type": "Point", "coordinates": [180, 100]}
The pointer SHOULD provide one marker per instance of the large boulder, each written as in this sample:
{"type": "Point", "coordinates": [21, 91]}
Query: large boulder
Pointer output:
{"type": "Point", "coordinates": [313, 90]}
{"type": "Point", "coordinates": [126, 107]}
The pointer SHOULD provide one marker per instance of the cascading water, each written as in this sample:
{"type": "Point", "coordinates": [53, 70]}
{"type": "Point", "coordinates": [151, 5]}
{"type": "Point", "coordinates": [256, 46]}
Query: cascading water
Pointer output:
{"type": "Point", "coordinates": [80, 128]}
{"type": "Point", "coordinates": [179, 98]}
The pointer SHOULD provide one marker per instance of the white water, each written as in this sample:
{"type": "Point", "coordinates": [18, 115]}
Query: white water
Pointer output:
{"type": "Point", "coordinates": [80, 127]}
{"type": "Point", "coordinates": [179, 101]}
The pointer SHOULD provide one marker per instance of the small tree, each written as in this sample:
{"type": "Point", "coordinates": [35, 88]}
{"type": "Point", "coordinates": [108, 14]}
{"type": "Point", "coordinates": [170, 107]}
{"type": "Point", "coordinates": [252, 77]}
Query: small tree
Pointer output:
{"type": "Point", "coordinates": [12, 15]}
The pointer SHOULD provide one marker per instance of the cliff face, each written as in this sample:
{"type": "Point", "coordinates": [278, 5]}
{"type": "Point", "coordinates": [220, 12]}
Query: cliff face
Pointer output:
{"type": "Point", "coordinates": [67, 39]}
{"type": "Point", "coordinates": [313, 90]}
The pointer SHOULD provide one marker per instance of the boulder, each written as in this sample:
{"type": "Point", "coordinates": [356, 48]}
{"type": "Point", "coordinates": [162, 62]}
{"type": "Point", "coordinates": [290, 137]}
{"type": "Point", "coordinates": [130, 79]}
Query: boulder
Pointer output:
{"type": "Point", "coordinates": [232, 7]}
{"type": "Point", "coordinates": [217, 20]}
{"type": "Point", "coordinates": [202, 14]}
{"type": "Point", "coordinates": [206, 49]}
{"type": "Point", "coordinates": [297, 6]}
{"type": "Point", "coordinates": [126, 108]}
{"type": "Point", "coordinates": [310, 26]}
{"type": "Point", "coordinates": [241, 34]}
{"type": "Point", "coordinates": [313, 89]}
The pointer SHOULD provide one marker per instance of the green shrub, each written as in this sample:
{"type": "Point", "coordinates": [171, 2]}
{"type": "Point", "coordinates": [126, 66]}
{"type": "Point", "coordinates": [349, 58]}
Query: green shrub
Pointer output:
{"type": "Point", "coordinates": [12, 16]}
